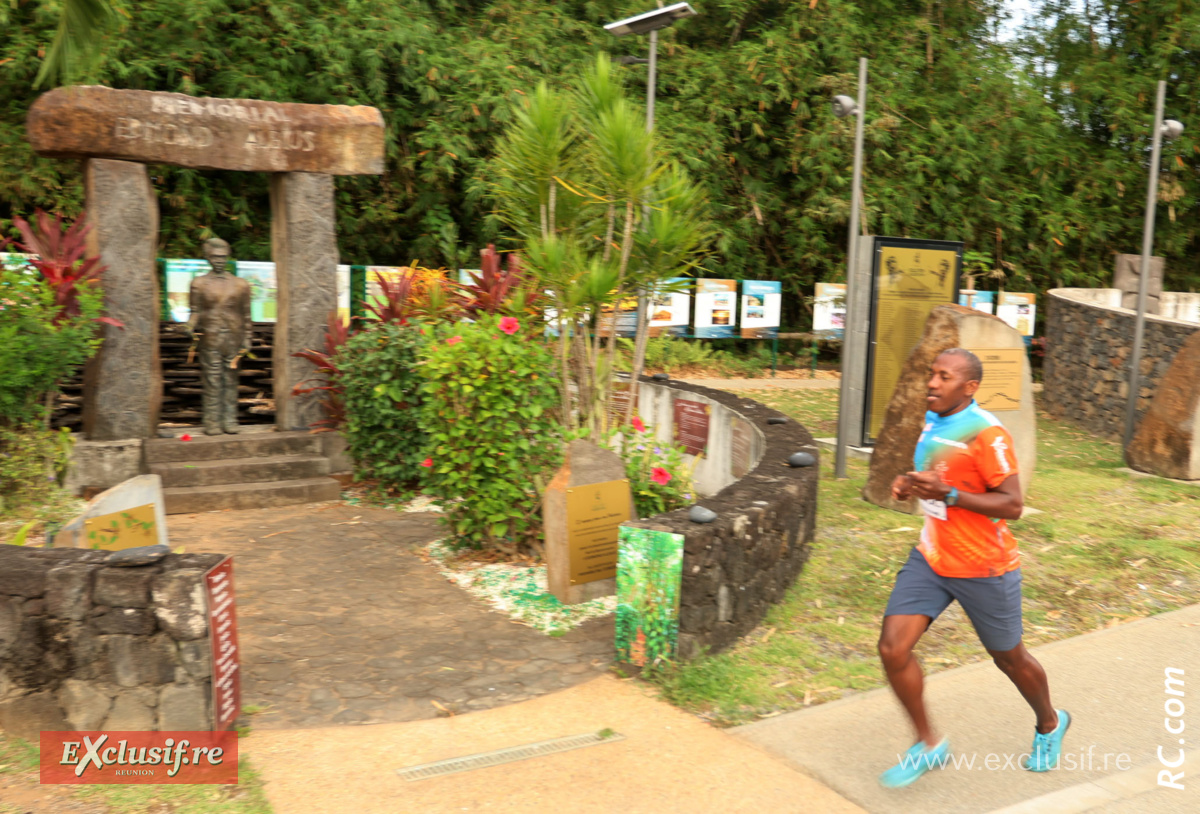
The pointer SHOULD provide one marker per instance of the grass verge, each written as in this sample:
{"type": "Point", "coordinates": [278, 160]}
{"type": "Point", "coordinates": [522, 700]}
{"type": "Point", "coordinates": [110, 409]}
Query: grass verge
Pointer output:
{"type": "Point", "coordinates": [1108, 548]}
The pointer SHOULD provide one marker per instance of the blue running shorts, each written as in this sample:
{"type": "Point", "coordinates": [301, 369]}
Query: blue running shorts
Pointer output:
{"type": "Point", "coordinates": [992, 603]}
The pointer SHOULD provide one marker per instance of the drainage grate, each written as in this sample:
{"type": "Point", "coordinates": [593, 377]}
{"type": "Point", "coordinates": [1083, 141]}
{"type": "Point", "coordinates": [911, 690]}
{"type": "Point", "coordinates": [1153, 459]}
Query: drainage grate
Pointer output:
{"type": "Point", "coordinates": [509, 755]}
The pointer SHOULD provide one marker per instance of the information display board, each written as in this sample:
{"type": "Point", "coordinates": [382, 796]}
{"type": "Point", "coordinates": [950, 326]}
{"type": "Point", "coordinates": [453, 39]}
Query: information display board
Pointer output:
{"type": "Point", "coordinates": [691, 425]}
{"type": "Point", "coordinates": [984, 301]}
{"type": "Point", "coordinates": [260, 274]}
{"type": "Point", "coordinates": [670, 309]}
{"type": "Point", "coordinates": [178, 274]}
{"type": "Point", "coordinates": [1019, 311]}
{"type": "Point", "coordinates": [761, 301]}
{"type": "Point", "coordinates": [829, 310]}
{"type": "Point", "coordinates": [909, 278]}
{"type": "Point", "coordinates": [716, 308]}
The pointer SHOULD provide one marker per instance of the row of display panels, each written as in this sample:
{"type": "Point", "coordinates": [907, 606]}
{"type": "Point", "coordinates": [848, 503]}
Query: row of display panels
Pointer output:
{"type": "Point", "coordinates": [717, 311]}
{"type": "Point", "coordinates": [1017, 309]}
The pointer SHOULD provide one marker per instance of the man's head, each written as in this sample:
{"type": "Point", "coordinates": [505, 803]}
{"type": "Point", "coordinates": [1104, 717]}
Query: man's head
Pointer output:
{"type": "Point", "coordinates": [216, 252]}
{"type": "Point", "coordinates": [954, 377]}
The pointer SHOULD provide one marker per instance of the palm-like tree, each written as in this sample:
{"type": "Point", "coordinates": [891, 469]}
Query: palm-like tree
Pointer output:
{"type": "Point", "coordinates": [76, 46]}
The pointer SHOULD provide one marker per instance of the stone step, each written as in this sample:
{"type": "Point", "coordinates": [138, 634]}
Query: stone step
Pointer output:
{"type": "Point", "coordinates": [189, 499]}
{"type": "Point", "coordinates": [241, 470]}
{"type": "Point", "coordinates": [223, 447]}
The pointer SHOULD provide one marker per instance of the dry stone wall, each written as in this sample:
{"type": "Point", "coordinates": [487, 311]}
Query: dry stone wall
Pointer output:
{"type": "Point", "coordinates": [1086, 370]}
{"type": "Point", "coordinates": [737, 566]}
{"type": "Point", "coordinates": [85, 646]}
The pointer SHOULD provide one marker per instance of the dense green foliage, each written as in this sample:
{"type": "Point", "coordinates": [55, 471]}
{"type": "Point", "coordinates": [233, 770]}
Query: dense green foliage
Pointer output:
{"type": "Point", "coordinates": [488, 405]}
{"type": "Point", "coordinates": [36, 351]}
{"type": "Point", "coordinates": [381, 395]}
{"type": "Point", "coordinates": [1032, 151]}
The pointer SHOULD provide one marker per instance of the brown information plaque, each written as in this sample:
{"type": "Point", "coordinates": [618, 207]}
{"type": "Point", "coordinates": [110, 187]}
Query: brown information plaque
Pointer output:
{"type": "Point", "coordinates": [691, 425]}
{"type": "Point", "coordinates": [594, 513]}
{"type": "Point", "coordinates": [1001, 386]}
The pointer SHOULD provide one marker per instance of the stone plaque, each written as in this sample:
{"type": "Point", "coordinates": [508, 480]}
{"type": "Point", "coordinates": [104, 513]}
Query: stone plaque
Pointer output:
{"type": "Point", "coordinates": [741, 452]}
{"type": "Point", "coordinates": [151, 127]}
{"type": "Point", "coordinates": [594, 514]}
{"type": "Point", "coordinates": [1000, 389]}
{"type": "Point", "coordinates": [222, 634]}
{"type": "Point", "coordinates": [691, 425]}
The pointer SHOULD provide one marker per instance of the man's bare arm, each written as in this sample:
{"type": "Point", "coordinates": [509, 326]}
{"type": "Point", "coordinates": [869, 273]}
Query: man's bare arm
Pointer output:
{"type": "Point", "coordinates": [1004, 501]}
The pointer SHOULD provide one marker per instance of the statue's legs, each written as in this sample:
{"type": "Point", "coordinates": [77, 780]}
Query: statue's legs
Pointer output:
{"type": "Point", "coordinates": [229, 394]}
{"type": "Point", "coordinates": [212, 380]}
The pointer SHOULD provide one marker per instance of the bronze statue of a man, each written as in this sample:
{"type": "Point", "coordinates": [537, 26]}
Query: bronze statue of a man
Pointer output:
{"type": "Point", "coordinates": [220, 321]}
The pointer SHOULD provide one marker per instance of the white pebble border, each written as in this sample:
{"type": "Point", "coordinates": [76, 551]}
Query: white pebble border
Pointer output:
{"type": "Point", "coordinates": [518, 591]}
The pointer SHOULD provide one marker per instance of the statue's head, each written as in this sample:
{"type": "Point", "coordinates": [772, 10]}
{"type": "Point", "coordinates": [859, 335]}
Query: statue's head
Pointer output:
{"type": "Point", "coordinates": [216, 252]}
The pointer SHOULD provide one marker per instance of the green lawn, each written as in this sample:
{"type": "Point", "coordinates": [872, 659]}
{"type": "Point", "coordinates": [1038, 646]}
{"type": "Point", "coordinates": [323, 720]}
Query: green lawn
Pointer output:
{"type": "Point", "coordinates": [1108, 548]}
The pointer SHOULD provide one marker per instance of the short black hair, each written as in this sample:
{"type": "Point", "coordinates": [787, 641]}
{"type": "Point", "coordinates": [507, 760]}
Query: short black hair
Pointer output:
{"type": "Point", "coordinates": [974, 366]}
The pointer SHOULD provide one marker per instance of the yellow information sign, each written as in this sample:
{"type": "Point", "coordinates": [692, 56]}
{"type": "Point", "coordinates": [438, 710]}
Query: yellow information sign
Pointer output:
{"type": "Point", "coordinates": [125, 529]}
{"type": "Point", "coordinates": [1001, 386]}
{"type": "Point", "coordinates": [910, 281]}
{"type": "Point", "coordinates": [594, 514]}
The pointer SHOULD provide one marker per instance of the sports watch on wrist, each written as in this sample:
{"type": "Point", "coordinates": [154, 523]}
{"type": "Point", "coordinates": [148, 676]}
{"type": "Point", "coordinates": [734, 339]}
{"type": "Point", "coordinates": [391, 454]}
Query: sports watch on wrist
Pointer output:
{"type": "Point", "coordinates": [951, 497]}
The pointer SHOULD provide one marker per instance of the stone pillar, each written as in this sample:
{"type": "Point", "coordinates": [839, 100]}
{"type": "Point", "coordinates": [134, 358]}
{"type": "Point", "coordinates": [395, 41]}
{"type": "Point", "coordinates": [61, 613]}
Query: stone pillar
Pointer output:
{"type": "Point", "coordinates": [304, 247]}
{"type": "Point", "coordinates": [123, 383]}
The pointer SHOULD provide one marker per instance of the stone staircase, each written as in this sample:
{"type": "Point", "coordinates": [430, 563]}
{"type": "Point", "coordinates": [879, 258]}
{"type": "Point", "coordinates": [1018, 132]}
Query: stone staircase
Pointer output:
{"type": "Point", "coordinates": [247, 471]}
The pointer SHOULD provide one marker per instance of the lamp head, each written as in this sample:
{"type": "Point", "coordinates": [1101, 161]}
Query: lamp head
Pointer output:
{"type": "Point", "coordinates": [1172, 129]}
{"type": "Point", "coordinates": [844, 106]}
{"type": "Point", "coordinates": [651, 20]}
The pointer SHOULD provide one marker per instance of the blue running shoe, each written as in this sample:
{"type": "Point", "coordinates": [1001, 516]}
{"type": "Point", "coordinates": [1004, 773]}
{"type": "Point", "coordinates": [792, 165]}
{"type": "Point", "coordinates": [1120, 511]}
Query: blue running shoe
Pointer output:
{"type": "Point", "coordinates": [1046, 749]}
{"type": "Point", "coordinates": [916, 761]}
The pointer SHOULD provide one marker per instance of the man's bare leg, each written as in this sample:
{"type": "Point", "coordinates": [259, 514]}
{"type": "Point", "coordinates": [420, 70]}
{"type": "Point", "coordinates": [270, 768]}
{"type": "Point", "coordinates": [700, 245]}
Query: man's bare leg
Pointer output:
{"type": "Point", "coordinates": [1027, 674]}
{"type": "Point", "coordinates": [899, 636]}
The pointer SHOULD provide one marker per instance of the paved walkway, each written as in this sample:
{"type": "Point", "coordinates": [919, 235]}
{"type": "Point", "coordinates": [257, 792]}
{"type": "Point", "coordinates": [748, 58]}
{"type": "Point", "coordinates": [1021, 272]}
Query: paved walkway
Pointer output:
{"type": "Point", "coordinates": [667, 761]}
{"type": "Point", "coordinates": [341, 622]}
{"type": "Point", "coordinates": [1112, 681]}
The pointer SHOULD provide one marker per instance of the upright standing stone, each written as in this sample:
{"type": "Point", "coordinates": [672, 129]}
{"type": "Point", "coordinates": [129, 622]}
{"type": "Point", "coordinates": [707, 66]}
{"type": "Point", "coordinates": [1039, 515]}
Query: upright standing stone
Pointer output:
{"type": "Point", "coordinates": [123, 383]}
{"type": "Point", "coordinates": [304, 246]}
{"type": "Point", "coordinates": [1127, 271]}
{"type": "Point", "coordinates": [584, 464]}
{"type": "Point", "coordinates": [948, 326]}
{"type": "Point", "coordinates": [1167, 441]}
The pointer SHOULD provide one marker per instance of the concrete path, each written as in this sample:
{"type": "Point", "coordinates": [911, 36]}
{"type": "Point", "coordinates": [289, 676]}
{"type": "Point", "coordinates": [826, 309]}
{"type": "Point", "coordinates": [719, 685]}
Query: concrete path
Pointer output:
{"type": "Point", "coordinates": [668, 761]}
{"type": "Point", "coordinates": [1113, 683]}
{"type": "Point", "coordinates": [767, 384]}
{"type": "Point", "coordinates": [341, 622]}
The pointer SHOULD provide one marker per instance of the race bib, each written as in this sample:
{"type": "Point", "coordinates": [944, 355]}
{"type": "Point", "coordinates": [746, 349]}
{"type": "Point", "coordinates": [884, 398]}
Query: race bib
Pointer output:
{"type": "Point", "coordinates": [934, 508]}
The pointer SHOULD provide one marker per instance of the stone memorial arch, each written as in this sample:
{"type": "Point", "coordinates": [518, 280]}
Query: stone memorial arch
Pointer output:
{"type": "Point", "coordinates": [117, 133]}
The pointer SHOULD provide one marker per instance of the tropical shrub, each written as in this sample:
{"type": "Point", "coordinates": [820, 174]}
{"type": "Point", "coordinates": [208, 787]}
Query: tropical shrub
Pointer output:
{"type": "Point", "coordinates": [33, 460]}
{"type": "Point", "coordinates": [39, 346]}
{"type": "Point", "coordinates": [658, 476]}
{"type": "Point", "coordinates": [489, 398]}
{"type": "Point", "coordinates": [380, 388]}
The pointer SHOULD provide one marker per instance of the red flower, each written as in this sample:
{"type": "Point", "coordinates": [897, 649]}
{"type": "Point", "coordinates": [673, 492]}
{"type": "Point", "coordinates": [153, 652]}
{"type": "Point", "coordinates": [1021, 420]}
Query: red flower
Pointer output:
{"type": "Point", "coordinates": [509, 325]}
{"type": "Point", "coordinates": [427, 463]}
{"type": "Point", "coordinates": [185, 437]}
{"type": "Point", "coordinates": [454, 340]}
{"type": "Point", "coordinates": [660, 476]}
{"type": "Point", "coordinates": [638, 425]}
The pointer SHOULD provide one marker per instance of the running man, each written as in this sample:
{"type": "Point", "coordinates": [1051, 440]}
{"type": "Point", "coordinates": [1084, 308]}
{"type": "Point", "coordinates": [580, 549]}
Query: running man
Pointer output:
{"type": "Point", "coordinates": [966, 481]}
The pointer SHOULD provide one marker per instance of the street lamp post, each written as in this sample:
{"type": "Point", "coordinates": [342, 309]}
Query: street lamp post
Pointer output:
{"type": "Point", "coordinates": [1170, 129]}
{"type": "Point", "coordinates": [853, 358]}
{"type": "Point", "coordinates": [647, 23]}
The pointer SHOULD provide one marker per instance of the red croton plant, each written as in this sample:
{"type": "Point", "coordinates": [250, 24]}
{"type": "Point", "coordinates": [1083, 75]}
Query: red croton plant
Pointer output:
{"type": "Point", "coordinates": [60, 256]}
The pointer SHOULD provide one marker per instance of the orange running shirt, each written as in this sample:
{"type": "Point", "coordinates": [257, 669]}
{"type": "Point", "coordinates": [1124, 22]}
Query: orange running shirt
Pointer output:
{"type": "Point", "coordinates": [972, 452]}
